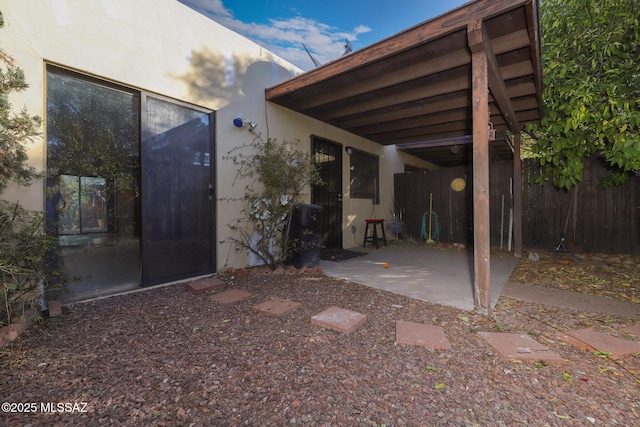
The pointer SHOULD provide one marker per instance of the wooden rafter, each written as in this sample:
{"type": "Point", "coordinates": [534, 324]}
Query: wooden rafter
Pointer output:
{"type": "Point", "coordinates": [415, 86]}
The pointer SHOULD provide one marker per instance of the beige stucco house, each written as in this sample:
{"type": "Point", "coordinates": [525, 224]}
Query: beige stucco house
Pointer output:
{"type": "Point", "coordinates": [138, 100]}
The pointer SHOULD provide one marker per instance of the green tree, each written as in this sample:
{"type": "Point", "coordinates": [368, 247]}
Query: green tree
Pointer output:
{"type": "Point", "coordinates": [23, 245]}
{"type": "Point", "coordinates": [15, 129]}
{"type": "Point", "coordinates": [591, 98]}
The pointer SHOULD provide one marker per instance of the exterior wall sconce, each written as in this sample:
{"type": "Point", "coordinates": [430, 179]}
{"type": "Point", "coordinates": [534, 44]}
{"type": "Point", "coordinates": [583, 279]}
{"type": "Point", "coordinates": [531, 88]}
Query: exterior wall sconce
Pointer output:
{"type": "Point", "coordinates": [242, 121]}
{"type": "Point", "coordinates": [348, 150]}
{"type": "Point", "coordinates": [491, 136]}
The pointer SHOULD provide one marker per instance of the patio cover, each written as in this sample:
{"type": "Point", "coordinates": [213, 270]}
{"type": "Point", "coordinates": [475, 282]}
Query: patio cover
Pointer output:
{"type": "Point", "coordinates": [436, 85]}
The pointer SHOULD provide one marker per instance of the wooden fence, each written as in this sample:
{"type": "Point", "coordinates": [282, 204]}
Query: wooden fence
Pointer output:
{"type": "Point", "coordinates": [597, 220]}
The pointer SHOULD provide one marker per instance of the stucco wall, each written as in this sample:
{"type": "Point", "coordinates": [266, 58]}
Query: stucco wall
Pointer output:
{"type": "Point", "coordinates": [280, 123]}
{"type": "Point", "coordinates": [162, 46]}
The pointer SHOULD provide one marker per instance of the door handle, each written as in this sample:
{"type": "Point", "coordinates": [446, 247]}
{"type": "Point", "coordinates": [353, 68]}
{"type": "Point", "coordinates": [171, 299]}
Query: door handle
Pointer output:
{"type": "Point", "coordinates": [210, 192]}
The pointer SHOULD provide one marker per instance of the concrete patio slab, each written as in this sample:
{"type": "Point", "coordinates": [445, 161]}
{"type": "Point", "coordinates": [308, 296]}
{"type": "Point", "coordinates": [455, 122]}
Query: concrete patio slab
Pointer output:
{"type": "Point", "coordinates": [339, 319]}
{"type": "Point", "coordinates": [230, 296]}
{"type": "Point", "coordinates": [590, 340]}
{"type": "Point", "coordinates": [437, 275]}
{"type": "Point", "coordinates": [207, 284]}
{"type": "Point", "coordinates": [429, 336]}
{"type": "Point", "coordinates": [519, 347]}
{"type": "Point", "coordinates": [276, 307]}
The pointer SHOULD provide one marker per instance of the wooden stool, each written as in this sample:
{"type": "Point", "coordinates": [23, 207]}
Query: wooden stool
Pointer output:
{"type": "Point", "coordinates": [374, 238]}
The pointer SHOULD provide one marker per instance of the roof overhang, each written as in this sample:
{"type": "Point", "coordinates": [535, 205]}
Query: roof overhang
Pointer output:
{"type": "Point", "coordinates": [414, 89]}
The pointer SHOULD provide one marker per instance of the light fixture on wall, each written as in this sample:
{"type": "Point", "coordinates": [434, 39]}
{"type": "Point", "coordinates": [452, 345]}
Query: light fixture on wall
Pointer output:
{"type": "Point", "coordinates": [242, 121]}
{"type": "Point", "coordinates": [491, 132]}
{"type": "Point", "coordinates": [348, 150]}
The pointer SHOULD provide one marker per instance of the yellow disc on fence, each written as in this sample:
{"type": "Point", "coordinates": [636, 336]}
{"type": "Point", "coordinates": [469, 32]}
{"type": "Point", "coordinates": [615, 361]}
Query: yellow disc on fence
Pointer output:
{"type": "Point", "coordinates": [458, 184]}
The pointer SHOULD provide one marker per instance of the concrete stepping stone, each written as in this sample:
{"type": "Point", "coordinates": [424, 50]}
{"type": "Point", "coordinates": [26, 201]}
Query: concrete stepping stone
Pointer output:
{"type": "Point", "coordinates": [632, 330]}
{"type": "Point", "coordinates": [339, 319]}
{"type": "Point", "coordinates": [201, 286]}
{"type": "Point", "coordinates": [54, 307]}
{"type": "Point", "coordinates": [519, 347]}
{"type": "Point", "coordinates": [276, 306]}
{"type": "Point", "coordinates": [590, 340]}
{"type": "Point", "coordinates": [429, 336]}
{"type": "Point", "coordinates": [230, 296]}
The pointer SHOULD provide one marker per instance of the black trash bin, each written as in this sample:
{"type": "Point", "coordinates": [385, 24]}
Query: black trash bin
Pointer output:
{"type": "Point", "coordinates": [306, 235]}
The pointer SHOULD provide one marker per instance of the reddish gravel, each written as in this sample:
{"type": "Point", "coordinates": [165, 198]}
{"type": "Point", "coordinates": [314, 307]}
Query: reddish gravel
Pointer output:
{"type": "Point", "coordinates": [168, 357]}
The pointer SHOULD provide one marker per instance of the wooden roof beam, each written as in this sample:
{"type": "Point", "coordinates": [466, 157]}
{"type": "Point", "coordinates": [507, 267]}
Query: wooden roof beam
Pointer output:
{"type": "Point", "coordinates": [399, 98]}
{"type": "Point", "coordinates": [479, 42]}
{"type": "Point", "coordinates": [440, 103]}
{"type": "Point", "coordinates": [425, 68]}
{"type": "Point", "coordinates": [429, 30]}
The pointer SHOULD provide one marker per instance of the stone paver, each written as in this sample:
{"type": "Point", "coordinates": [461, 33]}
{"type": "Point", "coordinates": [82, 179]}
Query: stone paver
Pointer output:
{"type": "Point", "coordinates": [419, 334]}
{"type": "Point", "coordinates": [230, 296]}
{"type": "Point", "coordinates": [632, 330]}
{"type": "Point", "coordinates": [201, 286]}
{"type": "Point", "coordinates": [519, 347]}
{"type": "Point", "coordinates": [339, 319]}
{"type": "Point", "coordinates": [10, 333]}
{"type": "Point", "coordinates": [508, 345]}
{"type": "Point", "coordinates": [18, 326]}
{"type": "Point", "coordinates": [590, 340]}
{"type": "Point", "coordinates": [54, 307]}
{"type": "Point", "coordinates": [276, 307]}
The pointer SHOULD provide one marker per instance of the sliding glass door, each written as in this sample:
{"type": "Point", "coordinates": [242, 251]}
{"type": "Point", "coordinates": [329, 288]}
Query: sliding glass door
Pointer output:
{"type": "Point", "coordinates": [177, 192]}
{"type": "Point", "coordinates": [125, 219]}
{"type": "Point", "coordinates": [93, 175]}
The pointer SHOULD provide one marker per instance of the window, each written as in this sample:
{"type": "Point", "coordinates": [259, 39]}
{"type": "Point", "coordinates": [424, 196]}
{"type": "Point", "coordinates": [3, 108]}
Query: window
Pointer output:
{"type": "Point", "coordinates": [364, 176]}
{"type": "Point", "coordinates": [82, 205]}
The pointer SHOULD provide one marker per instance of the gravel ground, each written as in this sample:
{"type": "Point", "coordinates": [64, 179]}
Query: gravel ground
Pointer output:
{"type": "Point", "coordinates": [169, 357]}
{"type": "Point", "coordinates": [611, 276]}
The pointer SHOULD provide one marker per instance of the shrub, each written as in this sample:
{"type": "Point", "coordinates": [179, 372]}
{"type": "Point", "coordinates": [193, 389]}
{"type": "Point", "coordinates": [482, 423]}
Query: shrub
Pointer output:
{"type": "Point", "coordinates": [24, 247]}
{"type": "Point", "coordinates": [24, 251]}
{"type": "Point", "coordinates": [277, 173]}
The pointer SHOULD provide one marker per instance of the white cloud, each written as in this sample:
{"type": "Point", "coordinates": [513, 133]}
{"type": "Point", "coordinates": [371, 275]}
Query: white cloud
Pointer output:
{"type": "Point", "coordinates": [285, 36]}
{"type": "Point", "coordinates": [361, 29]}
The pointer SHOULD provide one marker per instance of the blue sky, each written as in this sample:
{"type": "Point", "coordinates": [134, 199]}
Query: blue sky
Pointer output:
{"type": "Point", "coordinates": [322, 25]}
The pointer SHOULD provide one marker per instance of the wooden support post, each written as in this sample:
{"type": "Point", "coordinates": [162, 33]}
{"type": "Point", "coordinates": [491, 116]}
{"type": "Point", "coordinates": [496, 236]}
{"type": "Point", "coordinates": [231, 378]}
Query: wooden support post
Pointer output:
{"type": "Point", "coordinates": [481, 221]}
{"type": "Point", "coordinates": [517, 197]}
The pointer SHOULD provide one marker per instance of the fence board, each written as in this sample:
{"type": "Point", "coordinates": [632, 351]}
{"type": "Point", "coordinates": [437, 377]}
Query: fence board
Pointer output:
{"type": "Point", "coordinates": [598, 220]}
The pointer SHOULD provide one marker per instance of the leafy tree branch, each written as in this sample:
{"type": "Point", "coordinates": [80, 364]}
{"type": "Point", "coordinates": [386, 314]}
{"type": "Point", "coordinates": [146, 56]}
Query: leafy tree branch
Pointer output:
{"type": "Point", "coordinates": [591, 95]}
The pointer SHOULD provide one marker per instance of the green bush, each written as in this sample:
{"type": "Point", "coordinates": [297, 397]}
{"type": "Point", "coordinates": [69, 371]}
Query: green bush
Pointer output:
{"type": "Point", "coordinates": [277, 173]}
{"type": "Point", "coordinates": [24, 246]}
{"type": "Point", "coordinates": [24, 251]}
